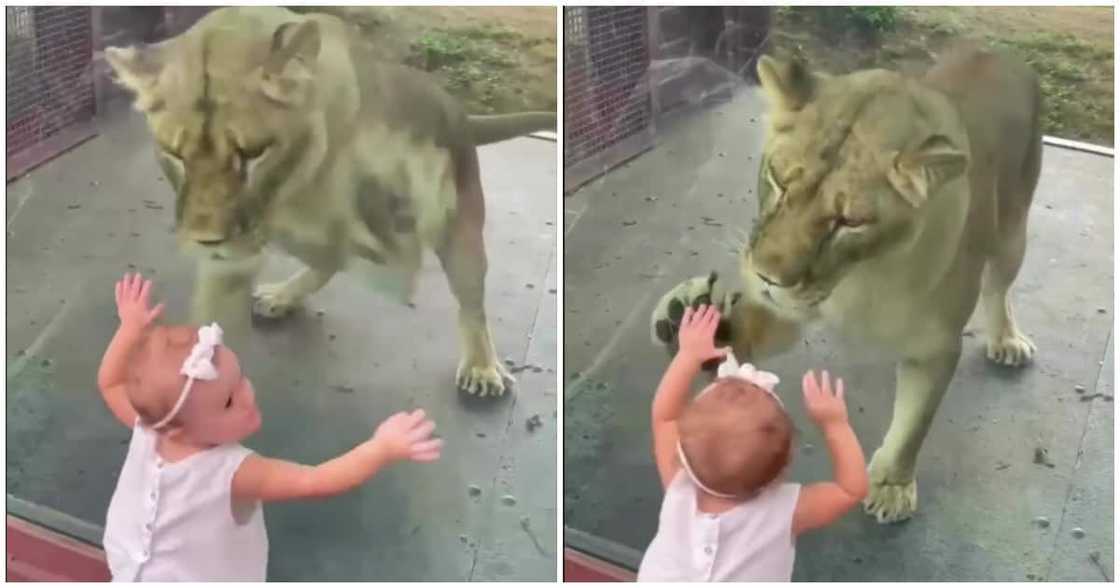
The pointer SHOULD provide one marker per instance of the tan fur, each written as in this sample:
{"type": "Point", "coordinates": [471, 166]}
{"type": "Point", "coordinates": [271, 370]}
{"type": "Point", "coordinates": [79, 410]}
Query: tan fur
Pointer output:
{"type": "Point", "coordinates": [278, 128]}
{"type": "Point", "coordinates": [939, 174]}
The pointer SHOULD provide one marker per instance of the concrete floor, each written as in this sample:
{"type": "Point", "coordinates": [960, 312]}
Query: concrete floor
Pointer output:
{"type": "Point", "coordinates": [677, 211]}
{"type": "Point", "coordinates": [323, 382]}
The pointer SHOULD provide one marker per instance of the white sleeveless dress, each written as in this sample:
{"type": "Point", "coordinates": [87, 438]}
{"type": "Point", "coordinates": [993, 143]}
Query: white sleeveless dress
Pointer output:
{"type": "Point", "coordinates": [752, 542]}
{"type": "Point", "coordinates": [174, 521]}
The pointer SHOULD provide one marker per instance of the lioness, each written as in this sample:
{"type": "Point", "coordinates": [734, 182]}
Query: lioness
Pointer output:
{"type": "Point", "coordinates": [279, 128]}
{"type": "Point", "coordinates": [887, 206]}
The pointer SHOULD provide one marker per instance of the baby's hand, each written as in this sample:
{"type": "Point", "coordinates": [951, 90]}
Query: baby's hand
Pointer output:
{"type": "Point", "coordinates": [825, 407]}
{"type": "Point", "coordinates": [408, 435]}
{"type": "Point", "coordinates": [132, 302]}
{"type": "Point", "coordinates": [697, 334]}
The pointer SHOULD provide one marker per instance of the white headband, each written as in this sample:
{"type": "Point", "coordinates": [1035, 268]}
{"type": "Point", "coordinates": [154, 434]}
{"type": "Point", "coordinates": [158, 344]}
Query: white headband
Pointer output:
{"type": "Point", "coordinates": [730, 368]}
{"type": "Point", "coordinates": [199, 365]}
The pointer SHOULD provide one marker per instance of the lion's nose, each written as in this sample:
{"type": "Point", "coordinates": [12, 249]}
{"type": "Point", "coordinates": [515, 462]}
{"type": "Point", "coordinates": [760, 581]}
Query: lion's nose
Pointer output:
{"type": "Point", "coordinates": [207, 228]}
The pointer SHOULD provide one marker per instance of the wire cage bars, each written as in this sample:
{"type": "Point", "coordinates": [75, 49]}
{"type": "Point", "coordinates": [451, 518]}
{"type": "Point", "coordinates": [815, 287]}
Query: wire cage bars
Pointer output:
{"type": "Point", "coordinates": [608, 106]}
{"type": "Point", "coordinates": [50, 90]}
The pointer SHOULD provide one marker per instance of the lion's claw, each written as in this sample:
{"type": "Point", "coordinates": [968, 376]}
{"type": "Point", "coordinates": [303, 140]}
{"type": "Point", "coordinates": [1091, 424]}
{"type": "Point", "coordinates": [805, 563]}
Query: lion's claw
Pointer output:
{"type": "Point", "coordinates": [483, 380]}
{"type": "Point", "coordinates": [1013, 349]}
{"type": "Point", "coordinates": [891, 503]}
{"type": "Point", "coordinates": [273, 301]}
{"type": "Point", "coordinates": [893, 494]}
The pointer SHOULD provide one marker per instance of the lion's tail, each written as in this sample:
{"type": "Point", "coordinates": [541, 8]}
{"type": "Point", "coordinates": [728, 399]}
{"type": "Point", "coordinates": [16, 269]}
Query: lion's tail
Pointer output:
{"type": "Point", "coordinates": [494, 128]}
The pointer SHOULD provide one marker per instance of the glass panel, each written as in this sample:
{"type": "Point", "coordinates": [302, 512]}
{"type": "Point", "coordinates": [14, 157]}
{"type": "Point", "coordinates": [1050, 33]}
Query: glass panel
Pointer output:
{"type": "Point", "coordinates": [368, 192]}
{"type": "Point", "coordinates": [1015, 475]}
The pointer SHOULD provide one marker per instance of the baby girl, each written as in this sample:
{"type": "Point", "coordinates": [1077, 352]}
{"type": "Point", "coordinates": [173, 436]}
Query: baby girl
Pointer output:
{"type": "Point", "coordinates": [728, 514]}
{"type": "Point", "coordinates": [187, 506]}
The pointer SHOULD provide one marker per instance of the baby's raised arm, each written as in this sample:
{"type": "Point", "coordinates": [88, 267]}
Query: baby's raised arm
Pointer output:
{"type": "Point", "coordinates": [401, 436]}
{"type": "Point", "coordinates": [696, 346]}
{"type": "Point", "coordinates": [823, 503]}
{"type": "Point", "coordinates": [132, 293]}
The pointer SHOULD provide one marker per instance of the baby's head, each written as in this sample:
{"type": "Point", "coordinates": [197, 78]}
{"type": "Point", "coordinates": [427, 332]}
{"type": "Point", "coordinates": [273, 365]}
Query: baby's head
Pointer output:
{"type": "Point", "coordinates": [736, 437]}
{"type": "Point", "coordinates": [222, 410]}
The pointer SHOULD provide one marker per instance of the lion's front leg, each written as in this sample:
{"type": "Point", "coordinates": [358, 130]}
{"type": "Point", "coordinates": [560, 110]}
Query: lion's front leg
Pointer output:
{"type": "Point", "coordinates": [893, 495]}
{"type": "Point", "coordinates": [222, 294]}
{"type": "Point", "coordinates": [279, 299]}
{"type": "Point", "coordinates": [749, 328]}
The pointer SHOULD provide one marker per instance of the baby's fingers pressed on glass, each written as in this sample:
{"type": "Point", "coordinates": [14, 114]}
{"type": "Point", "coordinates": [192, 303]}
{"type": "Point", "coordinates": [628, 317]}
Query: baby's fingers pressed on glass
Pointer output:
{"type": "Point", "coordinates": [421, 431]}
{"type": "Point", "coordinates": [697, 334]}
{"type": "Point", "coordinates": [824, 406]}
{"type": "Point", "coordinates": [399, 433]}
{"type": "Point", "coordinates": [132, 297]}
{"type": "Point", "coordinates": [705, 316]}
{"type": "Point", "coordinates": [426, 450]}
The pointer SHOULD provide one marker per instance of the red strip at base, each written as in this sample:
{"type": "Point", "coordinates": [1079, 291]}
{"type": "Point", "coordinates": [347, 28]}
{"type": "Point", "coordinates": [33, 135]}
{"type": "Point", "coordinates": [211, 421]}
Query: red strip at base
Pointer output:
{"type": "Point", "coordinates": [36, 554]}
{"type": "Point", "coordinates": [580, 567]}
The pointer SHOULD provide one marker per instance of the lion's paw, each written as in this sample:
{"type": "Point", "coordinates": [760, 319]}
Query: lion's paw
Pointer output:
{"type": "Point", "coordinates": [272, 301]}
{"type": "Point", "coordinates": [891, 503]}
{"type": "Point", "coordinates": [483, 381]}
{"type": "Point", "coordinates": [892, 497]}
{"type": "Point", "coordinates": [1012, 349]}
{"type": "Point", "coordinates": [666, 320]}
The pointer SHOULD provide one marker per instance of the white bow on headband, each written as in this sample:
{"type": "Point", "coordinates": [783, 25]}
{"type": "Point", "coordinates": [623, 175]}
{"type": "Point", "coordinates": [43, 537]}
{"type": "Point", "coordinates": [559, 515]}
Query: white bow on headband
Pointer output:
{"type": "Point", "coordinates": [731, 368]}
{"type": "Point", "coordinates": [199, 365]}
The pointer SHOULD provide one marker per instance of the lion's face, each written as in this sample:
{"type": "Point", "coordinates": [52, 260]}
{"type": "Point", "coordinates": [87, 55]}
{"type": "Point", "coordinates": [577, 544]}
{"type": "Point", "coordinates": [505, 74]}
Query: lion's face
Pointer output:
{"type": "Point", "coordinates": [847, 168]}
{"type": "Point", "coordinates": [226, 111]}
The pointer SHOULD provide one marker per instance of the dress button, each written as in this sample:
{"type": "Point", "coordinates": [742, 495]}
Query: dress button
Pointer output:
{"type": "Point", "coordinates": [708, 549]}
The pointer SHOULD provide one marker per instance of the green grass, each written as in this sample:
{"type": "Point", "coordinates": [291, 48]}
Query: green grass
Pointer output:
{"type": "Point", "coordinates": [491, 68]}
{"type": "Point", "coordinates": [1076, 84]}
{"type": "Point", "coordinates": [477, 63]}
{"type": "Point", "coordinates": [1076, 76]}
{"type": "Point", "coordinates": [443, 49]}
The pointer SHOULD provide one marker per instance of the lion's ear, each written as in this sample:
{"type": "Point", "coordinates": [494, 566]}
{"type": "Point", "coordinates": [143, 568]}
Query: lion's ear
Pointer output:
{"type": "Point", "coordinates": [290, 64]}
{"type": "Point", "coordinates": [788, 83]}
{"type": "Point", "coordinates": [917, 173]}
{"type": "Point", "coordinates": [137, 69]}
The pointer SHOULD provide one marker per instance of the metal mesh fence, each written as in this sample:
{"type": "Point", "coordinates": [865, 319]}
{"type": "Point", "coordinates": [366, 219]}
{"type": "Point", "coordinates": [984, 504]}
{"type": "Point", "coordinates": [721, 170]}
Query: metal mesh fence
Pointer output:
{"type": "Point", "coordinates": [50, 98]}
{"type": "Point", "coordinates": [608, 112]}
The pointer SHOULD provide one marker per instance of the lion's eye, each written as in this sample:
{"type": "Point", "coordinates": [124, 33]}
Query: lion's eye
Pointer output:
{"type": "Point", "coordinates": [775, 185]}
{"type": "Point", "coordinates": [173, 161]}
{"type": "Point", "coordinates": [249, 154]}
{"type": "Point", "coordinates": [247, 157]}
{"type": "Point", "coordinates": [774, 179]}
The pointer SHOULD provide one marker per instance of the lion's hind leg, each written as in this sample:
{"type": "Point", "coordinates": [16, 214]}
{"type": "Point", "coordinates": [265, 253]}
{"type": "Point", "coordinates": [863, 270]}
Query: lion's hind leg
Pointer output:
{"type": "Point", "coordinates": [1008, 345]}
{"type": "Point", "coordinates": [1014, 191]}
{"type": "Point", "coordinates": [463, 256]}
